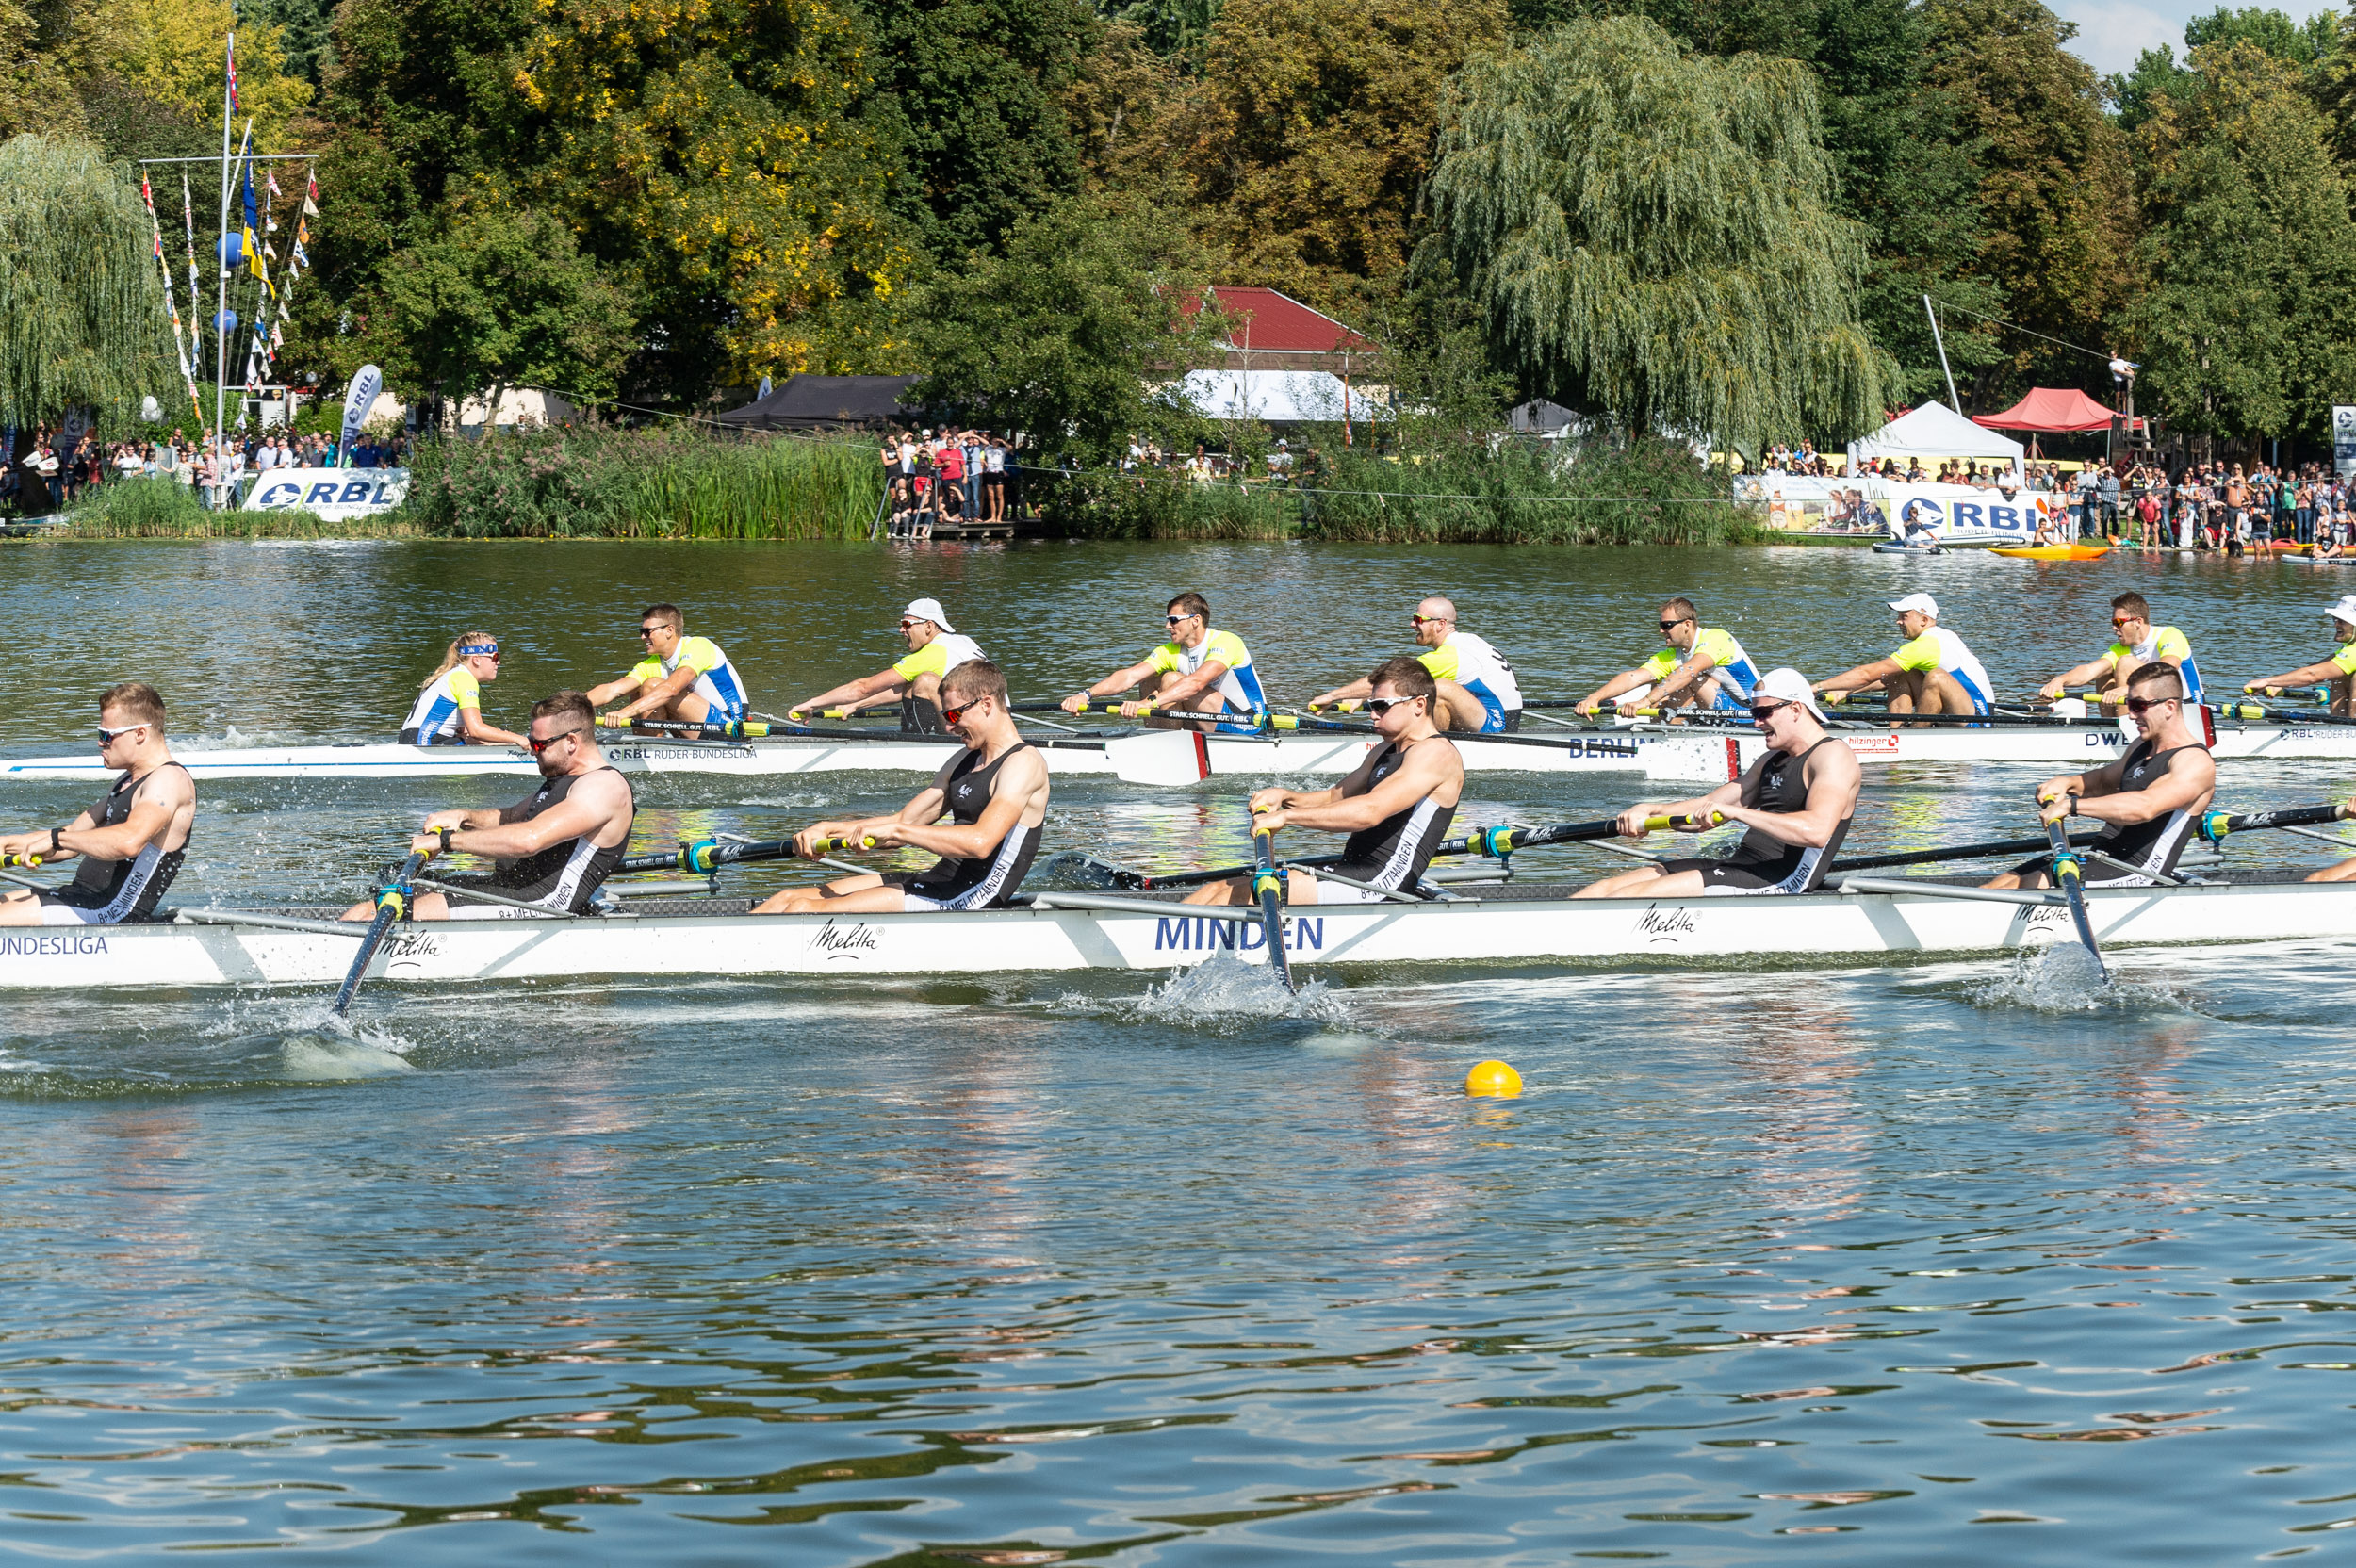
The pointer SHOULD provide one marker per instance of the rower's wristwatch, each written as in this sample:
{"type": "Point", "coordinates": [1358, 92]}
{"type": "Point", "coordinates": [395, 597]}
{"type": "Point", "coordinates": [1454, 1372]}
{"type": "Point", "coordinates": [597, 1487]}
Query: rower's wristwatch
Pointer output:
{"type": "Point", "coordinates": [445, 832]}
{"type": "Point", "coordinates": [55, 848]}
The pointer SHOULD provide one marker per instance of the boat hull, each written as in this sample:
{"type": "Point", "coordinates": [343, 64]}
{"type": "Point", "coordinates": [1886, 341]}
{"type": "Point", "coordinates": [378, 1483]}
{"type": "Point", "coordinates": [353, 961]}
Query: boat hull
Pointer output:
{"type": "Point", "coordinates": [1509, 927]}
{"type": "Point", "coordinates": [1656, 756]}
{"type": "Point", "coordinates": [2074, 745]}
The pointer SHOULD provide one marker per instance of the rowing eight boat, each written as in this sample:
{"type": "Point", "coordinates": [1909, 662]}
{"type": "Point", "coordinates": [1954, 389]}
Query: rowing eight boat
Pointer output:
{"type": "Point", "coordinates": [701, 939]}
{"type": "Point", "coordinates": [1196, 757]}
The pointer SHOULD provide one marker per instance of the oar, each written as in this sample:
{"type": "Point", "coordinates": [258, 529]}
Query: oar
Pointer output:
{"type": "Point", "coordinates": [392, 901]}
{"type": "Point", "coordinates": [2069, 873]}
{"type": "Point", "coordinates": [2214, 826]}
{"type": "Point", "coordinates": [2280, 715]}
{"type": "Point", "coordinates": [1496, 843]}
{"type": "Point", "coordinates": [1268, 885]}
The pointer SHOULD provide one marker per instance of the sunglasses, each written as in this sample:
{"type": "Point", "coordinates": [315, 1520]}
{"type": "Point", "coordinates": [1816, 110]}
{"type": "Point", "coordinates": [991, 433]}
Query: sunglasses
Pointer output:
{"type": "Point", "coordinates": [1419, 620]}
{"type": "Point", "coordinates": [539, 745]}
{"type": "Point", "coordinates": [1672, 626]}
{"type": "Point", "coordinates": [107, 736]}
{"type": "Point", "coordinates": [1762, 711]}
{"type": "Point", "coordinates": [1176, 620]}
{"type": "Point", "coordinates": [649, 630]}
{"type": "Point", "coordinates": [1380, 706]}
{"type": "Point", "coordinates": [2140, 706]}
{"type": "Point", "coordinates": [956, 714]}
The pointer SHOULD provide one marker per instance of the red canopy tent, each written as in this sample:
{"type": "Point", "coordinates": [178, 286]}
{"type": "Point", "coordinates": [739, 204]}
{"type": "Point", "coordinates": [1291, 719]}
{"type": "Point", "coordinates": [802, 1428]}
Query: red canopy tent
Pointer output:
{"type": "Point", "coordinates": [2053, 410]}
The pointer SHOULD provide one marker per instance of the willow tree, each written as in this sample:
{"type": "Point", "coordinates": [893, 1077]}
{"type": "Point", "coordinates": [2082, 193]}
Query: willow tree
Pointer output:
{"type": "Point", "coordinates": [1652, 234]}
{"type": "Point", "coordinates": [82, 318]}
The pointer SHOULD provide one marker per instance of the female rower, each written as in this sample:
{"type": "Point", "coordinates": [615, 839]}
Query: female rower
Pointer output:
{"type": "Point", "coordinates": [449, 712]}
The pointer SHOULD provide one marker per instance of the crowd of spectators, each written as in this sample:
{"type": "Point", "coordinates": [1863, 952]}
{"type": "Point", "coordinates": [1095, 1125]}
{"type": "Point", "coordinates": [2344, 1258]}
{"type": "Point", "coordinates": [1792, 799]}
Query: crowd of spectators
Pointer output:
{"type": "Point", "coordinates": [2219, 506]}
{"type": "Point", "coordinates": [960, 477]}
{"type": "Point", "coordinates": [69, 471]}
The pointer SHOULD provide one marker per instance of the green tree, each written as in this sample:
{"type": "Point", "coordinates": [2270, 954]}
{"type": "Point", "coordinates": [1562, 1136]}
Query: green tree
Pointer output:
{"type": "Point", "coordinates": [1063, 331]}
{"type": "Point", "coordinates": [79, 294]}
{"type": "Point", "coordinates": [2055, 185]}
{"type": "Point", "coordinates": [502, 299]}
{"type": "Point", "coordinates": [1310, 132]}
{"type": "Point", "coordinates": [1651, 235]}
{"type": "Point", "coordinates": [2249, 327]}
{"type": "Point", "coordinates": [969, 96]}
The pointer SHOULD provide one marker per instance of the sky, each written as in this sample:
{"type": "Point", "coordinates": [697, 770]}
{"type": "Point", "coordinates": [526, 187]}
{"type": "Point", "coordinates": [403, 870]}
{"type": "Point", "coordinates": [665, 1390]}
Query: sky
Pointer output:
{"type": "Point", "coordinates": [2111, 33]}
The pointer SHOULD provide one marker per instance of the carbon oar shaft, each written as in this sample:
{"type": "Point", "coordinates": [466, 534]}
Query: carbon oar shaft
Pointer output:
{"type": "Point", "coordinates": [392, 901]}
{"type": "Point", "coordinates": [1268, 885]}
{"type": "Point", "coordinates": [2070, 873]}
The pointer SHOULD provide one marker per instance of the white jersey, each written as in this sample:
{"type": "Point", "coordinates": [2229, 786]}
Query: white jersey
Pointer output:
{"type": "Point", "coordinates": [1472, 663]}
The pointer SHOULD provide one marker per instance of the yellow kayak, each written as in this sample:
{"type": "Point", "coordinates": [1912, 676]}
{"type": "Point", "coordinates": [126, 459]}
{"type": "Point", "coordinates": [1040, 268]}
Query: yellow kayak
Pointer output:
{"type": "Point", "coordinates": [2053, 553]}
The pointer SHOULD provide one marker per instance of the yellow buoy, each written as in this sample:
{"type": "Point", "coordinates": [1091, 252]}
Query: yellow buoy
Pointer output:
{"type": "Point", "coordinates": [1493, 1080]}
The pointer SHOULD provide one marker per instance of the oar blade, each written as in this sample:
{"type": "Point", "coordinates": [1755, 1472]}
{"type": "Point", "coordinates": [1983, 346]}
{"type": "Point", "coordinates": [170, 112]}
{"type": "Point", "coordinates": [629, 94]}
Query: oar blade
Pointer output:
{"type": "Point", "coordinates": [1164, 759]}
{"type": "Point", "coordinates": [1268, 885]}
{"type": "Point", "coordinates": [2069, 873]}
{"type": "Point", "coordinates": [392, 901]}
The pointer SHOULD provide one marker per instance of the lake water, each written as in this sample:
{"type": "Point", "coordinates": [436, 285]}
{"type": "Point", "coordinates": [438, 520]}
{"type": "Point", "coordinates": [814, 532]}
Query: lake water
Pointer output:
{"type": "Point", "coordinates": [1835, 1262]}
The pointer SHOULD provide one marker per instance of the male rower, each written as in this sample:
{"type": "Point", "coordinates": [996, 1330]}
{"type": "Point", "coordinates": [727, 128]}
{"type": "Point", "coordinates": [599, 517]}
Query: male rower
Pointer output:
{"type": "Point", "coordinates": [1200, 667]}
{"type": "Point", "coordinates": [552, 849]}
{"type": "Point", "coordinates": [1703, 666]}
{"type": "Point", "coordinates": [1396, 806]}
{"type": "Point", "coordinates": [935, 648]}
{"type": "Point", "coordinates": [682, 677]}
{"type": "Point", "coordinates": [2137, 642]}
{"type": "Point", "coordinates": [1477, 691]}
{"type": "Point", "coordinates": [448, 710]}
{"type": "Point", "coordinates": [2337, 672]}
{"type": "Point", "coordinates": [1796, 800]}
{"type": "Point", "coordinates": [130, 844]}
{"type": "Point", "coordinates": [1932, 672]}
{"type": "Point", "coordinates": [2149, 800]}
{"type": "Point", "coordinates": [994, 793]}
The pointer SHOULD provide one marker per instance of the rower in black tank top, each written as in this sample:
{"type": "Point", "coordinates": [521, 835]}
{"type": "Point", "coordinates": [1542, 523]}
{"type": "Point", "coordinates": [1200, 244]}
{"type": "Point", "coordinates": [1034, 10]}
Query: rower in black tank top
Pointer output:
{"type": "Point", "coordinates": [2151, 847]}
{"type": "Point", "coordinates": [1392, 853]}
{"type": "Point", "coordinates": [113, 892]}
{"type": "Point", "coordinates": [982, 882]}
{"type": "Point", "coordinates": [1762, 863]}
{"type": "Point", "coordinates": [564, 877]}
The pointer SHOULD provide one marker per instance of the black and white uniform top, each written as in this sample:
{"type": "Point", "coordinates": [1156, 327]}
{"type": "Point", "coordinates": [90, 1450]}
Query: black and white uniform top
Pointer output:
{"type": "Point", "coordinates": [561, 878]}
{"type": "Point", "coordinates": [983, 881]}
{"type": "Point", "coordinates": [2151, 847]}
{"type": "Point", "coordinates": [1392, 853]}
{"type": "Point", "coordinates": [114, 893]}
{"type": "Point", "coordinates": [1762, 863]}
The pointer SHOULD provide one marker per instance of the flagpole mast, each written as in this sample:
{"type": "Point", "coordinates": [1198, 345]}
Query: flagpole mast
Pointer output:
{"type": "Point", "coordinates": [220, 306]}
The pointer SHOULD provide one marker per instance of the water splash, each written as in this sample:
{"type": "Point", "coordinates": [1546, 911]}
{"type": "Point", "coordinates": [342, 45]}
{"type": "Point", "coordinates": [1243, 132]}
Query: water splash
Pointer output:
{"type": "Point", "coordinates": [2064, 977]}
{"type": "Point", "coordinates": [1224, 995]}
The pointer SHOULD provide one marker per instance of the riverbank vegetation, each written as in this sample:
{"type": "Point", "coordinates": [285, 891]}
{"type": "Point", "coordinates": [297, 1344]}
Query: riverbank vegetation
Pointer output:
{"type": "Point", "coordinates": [163, 509]}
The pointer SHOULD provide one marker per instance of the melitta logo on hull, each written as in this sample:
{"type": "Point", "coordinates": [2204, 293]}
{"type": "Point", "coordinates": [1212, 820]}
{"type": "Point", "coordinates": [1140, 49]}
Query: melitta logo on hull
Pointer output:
{"type": "Point", "coordinates": [53, 944]}
{"type": "Point", "coordinates": [1199, 934]}
{"type": "Point", "coordinates": [844, 942]}
{"type": "Point", "coordinates": [1664, 927]}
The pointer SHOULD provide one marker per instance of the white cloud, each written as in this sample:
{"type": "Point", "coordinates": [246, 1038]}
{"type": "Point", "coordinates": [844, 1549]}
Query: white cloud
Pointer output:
{"type": "Point", "coordinates": [2111, 33]}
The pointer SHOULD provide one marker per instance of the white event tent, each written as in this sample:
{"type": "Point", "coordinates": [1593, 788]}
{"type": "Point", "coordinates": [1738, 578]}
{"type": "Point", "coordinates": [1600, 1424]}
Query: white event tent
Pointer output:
{"type": "Point", "coordinates": [1282, 397]}
{"type": "Point", "coordinates": [1935, 430]}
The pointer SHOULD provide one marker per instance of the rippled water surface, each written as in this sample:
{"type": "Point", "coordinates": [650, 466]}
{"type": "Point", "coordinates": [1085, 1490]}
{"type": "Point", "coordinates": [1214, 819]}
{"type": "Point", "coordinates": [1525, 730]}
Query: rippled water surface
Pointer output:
{"type": "Point", "coordinates": [1767, 1261]}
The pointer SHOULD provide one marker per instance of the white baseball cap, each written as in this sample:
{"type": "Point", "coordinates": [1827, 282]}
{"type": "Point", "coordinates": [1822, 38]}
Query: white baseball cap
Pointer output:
{"type": "Point", "coordinates": [1788, 685]}
{"type": "Point", "coordinates": [927, 610]}
{"type": "Point", "coordinates": [1929, 606]}
{"type": "Point", "coordinates": [2345, 611]}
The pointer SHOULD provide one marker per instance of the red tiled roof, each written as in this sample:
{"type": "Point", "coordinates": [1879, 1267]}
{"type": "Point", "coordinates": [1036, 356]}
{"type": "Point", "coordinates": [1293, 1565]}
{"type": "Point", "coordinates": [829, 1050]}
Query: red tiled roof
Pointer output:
{"type": "Point", "coordinates": [1267, 320]}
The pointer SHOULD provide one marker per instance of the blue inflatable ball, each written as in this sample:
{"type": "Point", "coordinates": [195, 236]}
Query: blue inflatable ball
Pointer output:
{"type": "Point", "coordinates": [225, 321]}
{"type": "Point", "coordinates": [232, 249]}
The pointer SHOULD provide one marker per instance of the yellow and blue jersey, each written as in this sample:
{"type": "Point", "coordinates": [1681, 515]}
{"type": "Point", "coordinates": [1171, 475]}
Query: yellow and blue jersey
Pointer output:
{"type": "Point", "coordinates": [2166, 642]}
{"type": "Point", "coordinates": [1478, 668]}
{"type": "Point", "coordinates": [436, 717]}
{"type": "Point", "coordinates": [716, 681]}
{"type": "Point", "coordinates": [1731, 675]}
{"type": "Point", "coordinates": [1240, 685]}
{"type": "Point", "coordinates": [1939, 649]}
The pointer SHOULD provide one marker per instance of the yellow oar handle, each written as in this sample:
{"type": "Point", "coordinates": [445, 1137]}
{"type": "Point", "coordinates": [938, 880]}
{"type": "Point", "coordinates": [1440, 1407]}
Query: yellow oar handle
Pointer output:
{"type": "Point", "coordinates": [27, 861]}
{"type": "Point", "coordinates": [1661, 824]}
{"type": "Point", "coordinates": [827, 846]}
{"type": "Point", "coordinates": [838, 713]}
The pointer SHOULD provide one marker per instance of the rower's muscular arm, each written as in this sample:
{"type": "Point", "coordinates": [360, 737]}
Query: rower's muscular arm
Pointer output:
{"type": "Point", "coordinates": [925, 806]}
{"type": "Point", "coordinates": [1692, 816]}
{"type": "Point", "coordinates": [588, 809]}
{"type": "Point", "coordinates": [1189, 687]}
{"type": "Point", "coordinates": [1685, 681]}
{"type": "Point", "coordinates": [36, 842]}
{"type": "Point", "coordinates": [853, 694]}
{"type": "Point", "coordinates": [2077, 674]}
{"type": "Point", "coordinates": [2306, 674]}
{"type": "Point", "coordinates": [1626, 680]}
{"type": "Point", "coordinates": [1112, 685]}
{"type": "Point", "coordinates": [1357, 691]}
{"type": "Point", "coordinates": [1428, 768]}
{"type": "Point", "coordinates": [658, 694]}
{"type": "Point", "coordinates": [1011, 795]}
{"type": "Point", "coordinates": [471, 724]}
{"type": "Point", "coordinates": [1860, 677]}
{"type": "Point", "coordinates": [600, 695]}
{"type": "Point", "coordinates": [2189, 782]}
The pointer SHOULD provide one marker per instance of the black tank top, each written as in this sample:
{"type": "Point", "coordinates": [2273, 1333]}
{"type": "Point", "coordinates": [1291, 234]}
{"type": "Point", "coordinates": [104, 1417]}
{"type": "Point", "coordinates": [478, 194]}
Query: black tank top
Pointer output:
{"type": "Point", "coordinates": [1782, 787]}
{"type": "Point", "coordinates": [98, 883]}
{"type": "Point", "coordinates": [1392, 853]}
{"type": "Point", "coordinates": [2155, 844]}
{"type": "Point", "coordinates": [589, 864]}
{"type": "Point", "coordinates": [966, 784]}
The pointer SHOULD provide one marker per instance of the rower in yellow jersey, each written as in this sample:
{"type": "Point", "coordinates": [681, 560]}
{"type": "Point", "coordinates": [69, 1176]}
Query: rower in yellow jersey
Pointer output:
{"type": "Point", "coordinates": [1703, 666]}
{"type": "Point", "coordinates": [2136, 643]}
{"type": "Point", "coordinates": [935, 648]}
{"type": "Point", "coordinates": [2337, 672]}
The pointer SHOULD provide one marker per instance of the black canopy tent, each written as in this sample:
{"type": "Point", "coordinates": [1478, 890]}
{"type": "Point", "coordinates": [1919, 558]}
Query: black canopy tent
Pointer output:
{"type": "Point", "coordinates": [818, 402]}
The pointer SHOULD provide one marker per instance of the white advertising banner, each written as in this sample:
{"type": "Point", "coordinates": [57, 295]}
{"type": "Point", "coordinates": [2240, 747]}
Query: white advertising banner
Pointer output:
{"type": "Point", "coordinates": [1957, 514]}
{"type": "Point", "coordinates": [335, 494]}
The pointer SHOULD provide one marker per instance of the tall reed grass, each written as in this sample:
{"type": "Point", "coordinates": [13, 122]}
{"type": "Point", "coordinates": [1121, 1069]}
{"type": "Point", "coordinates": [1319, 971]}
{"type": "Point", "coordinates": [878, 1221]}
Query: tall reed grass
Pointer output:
{"type": "Point", "coordinates": [675, 483]}
{"type": "Point", "coordinates": [163, 509]}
